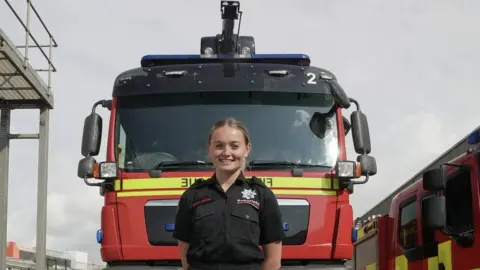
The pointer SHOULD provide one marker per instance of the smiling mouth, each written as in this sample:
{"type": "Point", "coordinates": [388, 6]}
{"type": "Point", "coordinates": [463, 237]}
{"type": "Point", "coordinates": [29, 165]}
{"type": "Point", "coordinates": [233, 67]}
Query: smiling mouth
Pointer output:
{"type": "Point", "coordinates": [226, 161]}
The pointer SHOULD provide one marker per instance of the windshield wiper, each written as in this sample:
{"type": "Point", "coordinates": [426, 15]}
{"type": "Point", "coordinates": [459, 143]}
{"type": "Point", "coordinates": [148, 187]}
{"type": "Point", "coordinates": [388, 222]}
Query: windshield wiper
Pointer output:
{"type": "Point", "coordinates": [288, 164]}
{"type": "Point", "coordinates": [179, 164]}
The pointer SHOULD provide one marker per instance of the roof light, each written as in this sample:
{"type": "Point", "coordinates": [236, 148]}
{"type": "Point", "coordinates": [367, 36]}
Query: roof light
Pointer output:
{"type": "Point", "coordinates": [474, 138]}
{"type": "Point", "coordinates": [183, 59]}
{"type": "Point", "coordinates": [174, 73]}
{"type": "Point", "coordinates": [326, 76]}
{"type": "Point", "coordinates": [208, 51]}
{"type": "Point", "coordinates": [286, 227]}
{"type": "Point", "coordinates": [246, 50]}
{"type": "Point", "coordinates": [278, 73]}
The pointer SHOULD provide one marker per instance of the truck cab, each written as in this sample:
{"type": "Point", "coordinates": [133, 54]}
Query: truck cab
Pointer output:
{"type": "Point", "coordinates": [432, 224]}
{"type": "Point", "coordinates": [160, 117]}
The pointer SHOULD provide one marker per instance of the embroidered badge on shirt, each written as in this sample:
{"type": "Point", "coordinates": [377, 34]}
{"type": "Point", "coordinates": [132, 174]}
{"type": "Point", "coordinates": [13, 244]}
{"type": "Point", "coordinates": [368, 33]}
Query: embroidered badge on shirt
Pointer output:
{"type": "Point", "coordinates": [248, 195]}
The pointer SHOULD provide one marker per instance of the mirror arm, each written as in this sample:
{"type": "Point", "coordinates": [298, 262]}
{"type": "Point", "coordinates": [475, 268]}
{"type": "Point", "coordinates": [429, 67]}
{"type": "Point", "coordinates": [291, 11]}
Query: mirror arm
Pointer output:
{"type": "Point", "coordinates": [98, 184]}
{"type": "Point", "coordinates": [355, 102]}
{"type": "Point", "coordinates": [360, 182]}
{"type": "Point", "coordinates": [105, 104]}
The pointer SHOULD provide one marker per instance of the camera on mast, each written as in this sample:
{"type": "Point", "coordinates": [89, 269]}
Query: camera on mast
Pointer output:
{"type": "Point", "coordinates": [227, 42]}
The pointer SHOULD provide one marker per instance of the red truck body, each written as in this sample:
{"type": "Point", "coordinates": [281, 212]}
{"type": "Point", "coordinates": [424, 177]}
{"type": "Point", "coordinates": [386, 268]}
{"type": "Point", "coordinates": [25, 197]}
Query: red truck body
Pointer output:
{"type": "Point", "coordinates": [329, 221]}
{"type": "Point", "coordinates": [160, 116]}
{"type": "Point", "coordinates": [405, 239]}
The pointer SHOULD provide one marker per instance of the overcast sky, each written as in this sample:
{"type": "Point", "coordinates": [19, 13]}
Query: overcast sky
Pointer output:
{"type": "Point", "coordinates": [413, 65]}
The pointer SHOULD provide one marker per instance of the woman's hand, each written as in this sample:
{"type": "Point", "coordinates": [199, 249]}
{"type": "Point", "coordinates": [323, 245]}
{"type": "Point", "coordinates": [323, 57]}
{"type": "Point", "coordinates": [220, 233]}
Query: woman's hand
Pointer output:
{"type": "Point", "coordinates": [183, 253]}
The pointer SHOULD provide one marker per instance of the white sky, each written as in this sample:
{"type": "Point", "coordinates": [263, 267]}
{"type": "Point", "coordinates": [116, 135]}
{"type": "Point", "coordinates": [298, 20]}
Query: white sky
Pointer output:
{"type": "Point", "coordinates": [413, 65]}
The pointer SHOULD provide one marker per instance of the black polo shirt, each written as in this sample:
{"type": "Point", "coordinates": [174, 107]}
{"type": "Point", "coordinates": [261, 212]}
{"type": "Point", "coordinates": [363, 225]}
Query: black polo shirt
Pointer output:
{"type": "Point", "coordinates": [228, 227]}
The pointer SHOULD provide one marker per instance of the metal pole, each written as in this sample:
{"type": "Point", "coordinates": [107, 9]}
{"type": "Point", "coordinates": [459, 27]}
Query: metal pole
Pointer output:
{"type": "Point", "coordinates": [27, 36]}
{"type": "Point", "coordinates": [4, 147]}
{"type": "Point", "coordinates": [42, 191]}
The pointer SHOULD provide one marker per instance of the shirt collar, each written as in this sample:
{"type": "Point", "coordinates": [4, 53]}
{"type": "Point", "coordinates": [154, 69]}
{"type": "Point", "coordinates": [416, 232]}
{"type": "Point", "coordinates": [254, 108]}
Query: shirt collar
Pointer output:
{"type": "Point", "coordinates": [241, 179]}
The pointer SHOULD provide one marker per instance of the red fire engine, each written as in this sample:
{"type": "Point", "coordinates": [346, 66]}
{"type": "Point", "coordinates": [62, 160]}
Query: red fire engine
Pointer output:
{"type": "Point", "coordinates": [160, 116]}
{"type": "Point", "coordinates": [433, 223]}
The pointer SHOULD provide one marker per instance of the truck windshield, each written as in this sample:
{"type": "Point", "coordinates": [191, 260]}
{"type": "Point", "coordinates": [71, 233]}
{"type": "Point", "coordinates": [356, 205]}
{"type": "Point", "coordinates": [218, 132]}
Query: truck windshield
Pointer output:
{"type": "Point", "coordinates": [285, 128]}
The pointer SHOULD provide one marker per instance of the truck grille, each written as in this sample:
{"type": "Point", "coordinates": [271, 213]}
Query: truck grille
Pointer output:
{"type": "Point", "coordinates": [160, 219]}
{"type": "Point", "coordinates": [295, 213]}
{"type": "Point", "coordinates": [159, 222]}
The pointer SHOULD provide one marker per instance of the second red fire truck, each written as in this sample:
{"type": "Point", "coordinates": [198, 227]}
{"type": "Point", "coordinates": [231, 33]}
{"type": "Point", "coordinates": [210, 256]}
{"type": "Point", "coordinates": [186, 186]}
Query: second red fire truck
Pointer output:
{"type": "Point", "coordinates": [432, 224]}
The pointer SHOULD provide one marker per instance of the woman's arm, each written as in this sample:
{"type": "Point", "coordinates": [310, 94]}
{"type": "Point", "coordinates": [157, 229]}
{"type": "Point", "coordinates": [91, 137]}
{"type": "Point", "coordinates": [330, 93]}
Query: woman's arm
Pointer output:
{"type": "Point", "coordinates": [271, 231]}
{"type": "Point", "coordinates": [183, 253]}
{"type": "Point", "coordinates": [273, 256]}
{"type": "Point", "coordinates": [183, 228]}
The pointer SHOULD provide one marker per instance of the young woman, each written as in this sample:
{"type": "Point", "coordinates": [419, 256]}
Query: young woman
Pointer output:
{"type": "Point", "coordinates": [222, 221]}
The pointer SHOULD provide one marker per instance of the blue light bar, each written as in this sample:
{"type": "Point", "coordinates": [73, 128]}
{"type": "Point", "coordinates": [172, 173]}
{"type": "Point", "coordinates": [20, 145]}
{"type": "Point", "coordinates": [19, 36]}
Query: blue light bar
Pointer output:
{"type": "Point", "coordinates": [474, 138]}
{"type": "Point", "coordinates": [170, 227]}
{"type": "Point", "coordinates": [99, 236]}
{"type": "Point", "coordinates": [285, 227]}
{"type": "Point", "coordinates": [280, 56]}
{"type": "Point", "coordinates": [184, 59]}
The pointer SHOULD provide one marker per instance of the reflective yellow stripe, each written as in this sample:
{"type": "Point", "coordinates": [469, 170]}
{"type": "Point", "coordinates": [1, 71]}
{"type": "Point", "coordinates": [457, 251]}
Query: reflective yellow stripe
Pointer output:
{"type": "Point", "coordinates": [185, 182]}
{"type": "Point", "coordinates": [433, 263]}
{"type": "Point", "coordinates": [360, 234]}
{"type": "Point", "coordinates": [445, 254]}
{"type": "Point", "coordinates": [401, 263]}
{"type": "Point", "coordinates": [372, 266]}
{"type": "Point", "coordinates": [180, 192]}
{"type": "Point", "coordinates": [369, 228]}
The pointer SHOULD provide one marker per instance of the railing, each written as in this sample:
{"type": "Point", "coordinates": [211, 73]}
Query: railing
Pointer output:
{"type": "Point", "coordinates": [28, 35]}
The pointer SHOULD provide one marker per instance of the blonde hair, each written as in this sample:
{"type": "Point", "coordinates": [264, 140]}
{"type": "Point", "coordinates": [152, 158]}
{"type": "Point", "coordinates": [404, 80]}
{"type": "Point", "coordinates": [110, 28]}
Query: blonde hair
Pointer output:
{"type": "Point", "coordinates": [233, 123]}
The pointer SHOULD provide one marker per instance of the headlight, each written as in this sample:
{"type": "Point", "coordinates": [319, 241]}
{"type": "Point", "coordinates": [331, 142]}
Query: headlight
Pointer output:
{"type": "Point", "coordinates": [348, 169]}
{"type": "Point", "coordinates": [107, 170]}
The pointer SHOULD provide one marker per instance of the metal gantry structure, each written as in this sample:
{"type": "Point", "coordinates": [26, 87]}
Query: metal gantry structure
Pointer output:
{"type": "Point", "coordinates": [21, 87]}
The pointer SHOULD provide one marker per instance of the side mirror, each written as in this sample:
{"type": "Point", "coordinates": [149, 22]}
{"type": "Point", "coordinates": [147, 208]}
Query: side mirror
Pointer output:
{"type": "Point", "coordinates": [361, 133]}
{"type": "Point", "coordinates": [368, 165]}
{"type": "Point", "coordinates": [434, 212]}
{"type": "Point", "coordinates": [433, 180]}
{"type": "Point", "coordinates": [86, 167]}
{"type": "Point", "coordinates": [92, 135]}
{"type": "Point", "coordinates": [346, 125]}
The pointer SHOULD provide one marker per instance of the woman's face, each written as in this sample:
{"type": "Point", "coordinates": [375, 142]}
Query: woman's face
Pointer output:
{"type": "Point", "coordinates": [227, 149]}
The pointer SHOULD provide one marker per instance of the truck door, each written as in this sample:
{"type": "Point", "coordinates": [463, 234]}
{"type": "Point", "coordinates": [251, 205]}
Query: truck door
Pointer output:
{"type": "Point", "coordinates": [460, 250]}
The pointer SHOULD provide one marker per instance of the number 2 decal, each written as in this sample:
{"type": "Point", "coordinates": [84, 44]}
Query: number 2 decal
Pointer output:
{"type": "Point", "coordinates": [312, 78]}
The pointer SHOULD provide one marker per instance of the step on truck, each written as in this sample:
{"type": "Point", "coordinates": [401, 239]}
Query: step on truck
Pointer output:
{"type": "Point", "coordinates": [160, 117]}
{"type": "Point", "coordinates": [432, 224]}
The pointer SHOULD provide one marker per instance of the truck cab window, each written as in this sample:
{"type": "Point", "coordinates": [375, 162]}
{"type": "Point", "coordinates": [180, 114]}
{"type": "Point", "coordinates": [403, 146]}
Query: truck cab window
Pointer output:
{"type": "Point", "coordinates": [407, 232]}
{"type": "Point", "coordinates": [459, 202]}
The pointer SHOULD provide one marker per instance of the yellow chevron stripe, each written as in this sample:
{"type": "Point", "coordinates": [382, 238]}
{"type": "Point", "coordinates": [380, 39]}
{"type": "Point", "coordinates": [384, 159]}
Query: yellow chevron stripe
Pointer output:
{"type": "Point", "coordinates": [401, 263]}
{"type": "Point", "coordinates": [445, 254]}
{"type": "Point", "coordinates": [180, 192]}
{"type": "Point", "coordinates": [185, 182]}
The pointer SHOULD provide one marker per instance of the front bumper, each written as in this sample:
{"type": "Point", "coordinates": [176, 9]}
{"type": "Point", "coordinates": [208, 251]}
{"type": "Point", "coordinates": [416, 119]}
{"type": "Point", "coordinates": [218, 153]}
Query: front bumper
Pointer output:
{"type": "Point", "coordinates": [306, 267]}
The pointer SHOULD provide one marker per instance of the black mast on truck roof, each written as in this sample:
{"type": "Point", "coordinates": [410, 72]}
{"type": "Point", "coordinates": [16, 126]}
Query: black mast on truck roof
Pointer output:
{"type": "Point", "coordinates": [227, 42]}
